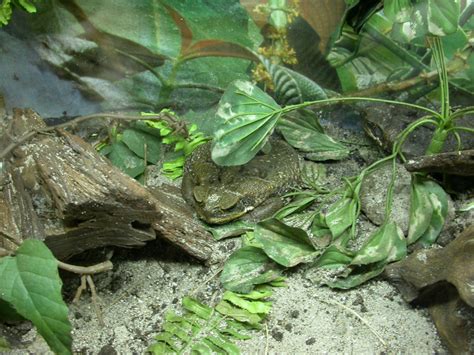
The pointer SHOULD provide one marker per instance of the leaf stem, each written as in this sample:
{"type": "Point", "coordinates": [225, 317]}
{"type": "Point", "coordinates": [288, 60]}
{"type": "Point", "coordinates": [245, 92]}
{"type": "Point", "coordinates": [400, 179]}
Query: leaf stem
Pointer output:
{"type": "Point", "coordinates": [356, 99]}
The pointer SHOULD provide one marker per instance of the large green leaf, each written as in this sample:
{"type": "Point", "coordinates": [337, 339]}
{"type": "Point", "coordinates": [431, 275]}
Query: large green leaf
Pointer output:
{"type": "Point", "coordinates": [341, 215]}
{"type": "Point", "coordinates": [426, 17]}
{"type": "Point", "coordinates": [245, 118]}
{"type": "Point", "coordinates": [247, 267]}
{"type": "Point", "coordinates": [230, 229]}
{"type": "Point", "coordinates": [137, 141]}
{"type": "Point", "coordinates": [127, 161]}
{"type": "Point", "coordinates": [398, 10]}
{"type": "Point", "coordinates": [311, 140]}
{"type": "Point", "coordinates": [286, 245]}
{"type": "Point", "coordinates": [334, 257]}
{"type": "Point", "coordinates": [387, 244]}
{"type": "Point", "coordinates": [226, 20]}
{"type": "Point", "coordinates": [30, 282]}
{"type": "Point", "coordinates": [428, 210]}
{"type": "Point", "coordinates": [421, 211]}
{"type": "Point", "coordinates": [358, 276]}
{"type": "Point", "coordinates": [292, 87]}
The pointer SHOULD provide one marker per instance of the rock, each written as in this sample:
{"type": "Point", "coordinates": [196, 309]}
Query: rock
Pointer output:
{"type": "Point", "coordinates": [373, 196]}
{"type": "Point", "coordinates": [443, 279]}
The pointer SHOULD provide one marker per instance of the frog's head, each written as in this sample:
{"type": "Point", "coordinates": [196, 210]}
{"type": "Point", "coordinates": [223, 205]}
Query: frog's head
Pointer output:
{"type": "Point", "coordinates": [217, 205]}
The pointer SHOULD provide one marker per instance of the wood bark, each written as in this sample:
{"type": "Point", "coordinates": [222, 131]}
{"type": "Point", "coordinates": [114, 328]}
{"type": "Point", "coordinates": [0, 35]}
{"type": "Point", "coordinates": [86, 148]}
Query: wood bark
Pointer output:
{"type": "Point", "coordinates": [57, 188]}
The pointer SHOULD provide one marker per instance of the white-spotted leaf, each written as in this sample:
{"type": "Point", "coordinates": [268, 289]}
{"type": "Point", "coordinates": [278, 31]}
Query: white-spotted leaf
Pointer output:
{"type": "Point", "coordinates": [247, 267]}
{"type": "Point", "coordinates": [286, 245]}
{"type": "Point", "coordinates": [387, 244]}
{"type": "Point", "coordinates": [246, 116]}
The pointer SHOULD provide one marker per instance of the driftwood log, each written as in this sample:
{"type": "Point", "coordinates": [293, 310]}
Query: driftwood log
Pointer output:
{"type": "Point", "coordinates": [55, 187]}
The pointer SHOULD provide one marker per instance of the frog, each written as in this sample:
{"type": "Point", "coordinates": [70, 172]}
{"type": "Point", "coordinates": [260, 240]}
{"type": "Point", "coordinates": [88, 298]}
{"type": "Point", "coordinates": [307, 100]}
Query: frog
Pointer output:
{"type": "Point", "coordinates": [221, 194]}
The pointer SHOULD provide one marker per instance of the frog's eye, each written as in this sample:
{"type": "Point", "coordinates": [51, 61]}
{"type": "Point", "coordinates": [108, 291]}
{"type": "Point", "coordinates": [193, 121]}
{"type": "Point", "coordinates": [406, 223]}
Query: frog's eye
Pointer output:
{"type": "Point", "coordinates": [228, 200]}
{"type": "Point", "coordinates": [200, 193]}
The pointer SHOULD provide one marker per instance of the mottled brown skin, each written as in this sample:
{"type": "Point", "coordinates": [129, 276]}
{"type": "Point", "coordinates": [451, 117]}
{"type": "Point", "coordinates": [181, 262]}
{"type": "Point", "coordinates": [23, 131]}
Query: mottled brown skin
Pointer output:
{"type": "Point", "coordinates": [222, 194]}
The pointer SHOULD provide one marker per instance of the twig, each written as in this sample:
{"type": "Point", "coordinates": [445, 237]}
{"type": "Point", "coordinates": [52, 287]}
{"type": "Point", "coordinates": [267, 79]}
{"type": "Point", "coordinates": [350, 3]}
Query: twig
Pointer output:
{"type": "Point", "coordinates": [87, 270]}
{"type": "Point", "coordinates": [95, 300]}
{"type": "Point", "coordinates": [80, 289]}
{"type": "Point", "coordinates": [86, 280]}
{"type": "Point", "coordinates": [177, 126]}
{"type": "Point", "coordinates": [332, 302]}
{"type": "Point", "coordinates": [267, 342]}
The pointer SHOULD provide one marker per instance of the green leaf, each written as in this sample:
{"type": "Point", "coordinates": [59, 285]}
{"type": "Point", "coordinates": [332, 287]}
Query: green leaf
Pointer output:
{"type": "Point", "coordinates": [300, 203]}
{"type": "Point", "coordinates": [320, 230]}
{"type": "Point", "coordinates": [398, 10]}
{"type": "Point", "coordinates": [127, 161]}
{"type": "Point", "coordinates": [467, 206]}
{"type": "Point", "coordinates": [310, 139]}
{"type": "Point", "coordinates": [30, 282]}
{"type": "Point", "coordinates": [442, 17]}
{"type": "Point", "coordinates": [245, 118]}
{"type": "Point", "coordinates": [421, 211]}
{"type": "Point", "coordinates": [247, 267]}
{"type": "Point", "coordinates": [358, 276]}
{"type": "Point", "coordinates": [253, 306]}
{"type": "Point", "coordinates": [438, 200]}
{"type": "Point", "coordinates": [434, 17]}
{"type": "Point", "coordinates": [223, 344]}
{"type": "Point", "coordinates": [334, 257]}
{"type": "Point", "coordinates": [137, 140]}
{"type": "Point", "coordinates": [230, 21]}
{"type": "Point", "coordinates": [5, 12]}
{"type": "Point", "coordinates": [27, 5]}
{"type": "Point", "coordinates": [231, 229]}
{"type": "Point", "coordinates": [288, 246]}
{"type": "Point", "coordinates": [197, 308]}
{"type": "Point", "coordinates": [386, 244]}
{"type": "Point", "coordinates": [341, 215]}
{"type": "Point", "coordinates": [292, 87]}
{"type": "Point", "coordinates": [239, 314]}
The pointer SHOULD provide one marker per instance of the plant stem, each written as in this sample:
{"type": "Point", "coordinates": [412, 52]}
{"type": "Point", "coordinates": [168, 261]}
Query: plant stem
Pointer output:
{"type": "Point", "coordinates": [336, 100]}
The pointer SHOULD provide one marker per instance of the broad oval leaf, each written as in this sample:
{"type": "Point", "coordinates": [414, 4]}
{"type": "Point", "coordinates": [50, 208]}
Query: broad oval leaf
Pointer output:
{"type": "Point", "coordinates": [341, 215]}
{"type": "Point", "coordinates": [31, 283]}
{"type": "Point", "coordinates": [309, 139]}
{"type": "Point", "coordinates": [127, 161]}
{"type": "Point", "coordinates": [387, 244]}
{"type": "Point", "coordinates": [288, 246]}
{"type": "Point", "coordinates": [334, 257]}
{"type": "Point", "coordinates": [421, 211]}
{"type": "Point", "coordinates": [292, 87]}
{"type": "Point", "coordinates": [137, 141]}
{"type": "Point", "coordinates": [358, 276]}
{"type": "Point", "coordinates": [430, 208]}
{"type": "Point", "coordinates": [247, 267]}
{"type": "Point", "coordinates": [398, 10]}
{"type": "Point", "coordinates": [246, 116]}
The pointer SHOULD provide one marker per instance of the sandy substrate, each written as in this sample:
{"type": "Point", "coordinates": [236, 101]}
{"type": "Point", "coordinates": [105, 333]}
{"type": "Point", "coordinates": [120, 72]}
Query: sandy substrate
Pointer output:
{"type": "Point", "coordinates": [305, 319]}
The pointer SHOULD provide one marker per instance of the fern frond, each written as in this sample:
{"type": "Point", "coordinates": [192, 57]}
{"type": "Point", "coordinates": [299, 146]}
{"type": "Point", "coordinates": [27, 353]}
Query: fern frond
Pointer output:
{"type": "Point", "coordinates": [205, 330]}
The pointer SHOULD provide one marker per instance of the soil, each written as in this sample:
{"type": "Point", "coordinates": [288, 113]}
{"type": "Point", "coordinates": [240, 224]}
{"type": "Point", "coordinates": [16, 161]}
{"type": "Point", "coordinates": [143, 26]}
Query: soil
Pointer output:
{"type": "Point", "coordinates": [305, 318]}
